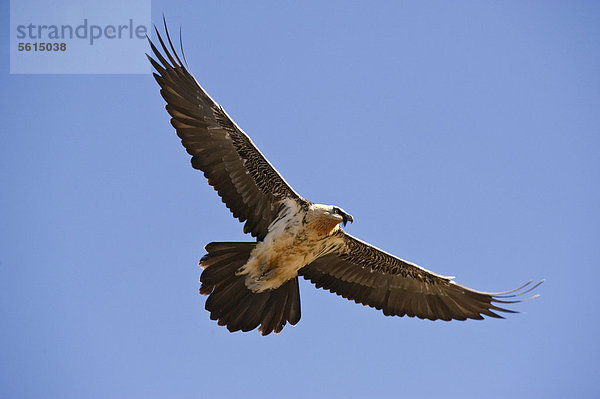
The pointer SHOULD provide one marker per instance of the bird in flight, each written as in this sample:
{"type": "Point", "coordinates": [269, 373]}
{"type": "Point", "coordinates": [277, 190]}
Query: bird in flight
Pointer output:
{"type": "Point", "coordinates": [255, 284]}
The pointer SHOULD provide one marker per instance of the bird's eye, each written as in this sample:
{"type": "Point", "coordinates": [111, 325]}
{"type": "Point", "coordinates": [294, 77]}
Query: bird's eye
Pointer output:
{"type": "Point", "coordinates": [337, 210]}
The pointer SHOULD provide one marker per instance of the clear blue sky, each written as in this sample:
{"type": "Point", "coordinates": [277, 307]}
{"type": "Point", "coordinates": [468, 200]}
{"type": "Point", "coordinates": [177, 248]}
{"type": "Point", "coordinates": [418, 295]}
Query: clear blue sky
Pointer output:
{"type": "Point", "coordinates": [462, 136]}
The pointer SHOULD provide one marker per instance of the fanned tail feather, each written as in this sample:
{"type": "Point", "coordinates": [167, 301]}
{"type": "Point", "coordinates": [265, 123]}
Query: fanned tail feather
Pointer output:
{"type": "Point", "coordinates": [232, 304]}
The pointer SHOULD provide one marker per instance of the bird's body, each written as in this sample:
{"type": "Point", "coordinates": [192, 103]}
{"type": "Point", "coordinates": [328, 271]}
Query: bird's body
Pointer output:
{"type": "Point", "coordinates": [255, 284]}
{"type": "Point", "coordinates": [296, 238]}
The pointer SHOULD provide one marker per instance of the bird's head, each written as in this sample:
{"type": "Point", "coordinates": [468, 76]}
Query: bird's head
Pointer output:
{"type": "Point", "coordinates": [325, 218]}
{"type": "Point", "coordinates": [340, 214]}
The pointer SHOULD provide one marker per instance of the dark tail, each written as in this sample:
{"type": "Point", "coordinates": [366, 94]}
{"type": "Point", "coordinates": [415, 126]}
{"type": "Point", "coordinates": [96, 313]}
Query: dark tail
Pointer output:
{"type": "Point", "coordinates": [232, 304]}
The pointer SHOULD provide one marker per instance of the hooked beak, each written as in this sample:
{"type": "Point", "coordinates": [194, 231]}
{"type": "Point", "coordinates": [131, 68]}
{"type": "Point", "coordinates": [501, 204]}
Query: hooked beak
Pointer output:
{"type": "Point", "coordinates": [347, 218]}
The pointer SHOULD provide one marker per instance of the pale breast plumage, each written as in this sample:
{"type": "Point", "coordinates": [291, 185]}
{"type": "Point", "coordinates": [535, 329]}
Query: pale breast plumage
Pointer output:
{"type": "Point", "coordinates": [295, 239]}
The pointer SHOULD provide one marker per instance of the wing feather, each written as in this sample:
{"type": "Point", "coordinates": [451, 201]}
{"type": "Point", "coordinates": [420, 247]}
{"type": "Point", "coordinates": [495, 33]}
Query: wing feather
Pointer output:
{"type": "Point", "coordinates": [247, 183]}
{"type": "Point", "coordinates": [363, 273]}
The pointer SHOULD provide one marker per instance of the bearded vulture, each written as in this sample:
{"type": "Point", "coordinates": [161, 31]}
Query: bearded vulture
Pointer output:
{"type": "Point", "coordinates": [255, 284]}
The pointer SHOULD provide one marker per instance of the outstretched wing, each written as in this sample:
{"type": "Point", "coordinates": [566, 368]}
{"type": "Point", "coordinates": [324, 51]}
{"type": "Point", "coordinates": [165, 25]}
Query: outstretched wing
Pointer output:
{"type": "Point", "coordinates": [249, 186]}
{"type": "Point", "coordinates": [360, 272]}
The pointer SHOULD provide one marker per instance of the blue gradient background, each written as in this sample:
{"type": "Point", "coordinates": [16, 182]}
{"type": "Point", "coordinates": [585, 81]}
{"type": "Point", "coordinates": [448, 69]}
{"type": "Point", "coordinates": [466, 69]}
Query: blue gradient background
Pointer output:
{"type": "Point", "coordinates": [462, 136]}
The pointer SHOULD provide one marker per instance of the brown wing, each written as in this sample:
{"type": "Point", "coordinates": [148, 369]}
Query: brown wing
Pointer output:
{"type": "Point", "coordinates": [249, 186]}
{"type": "Point", "coordinates": [368, 275]}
